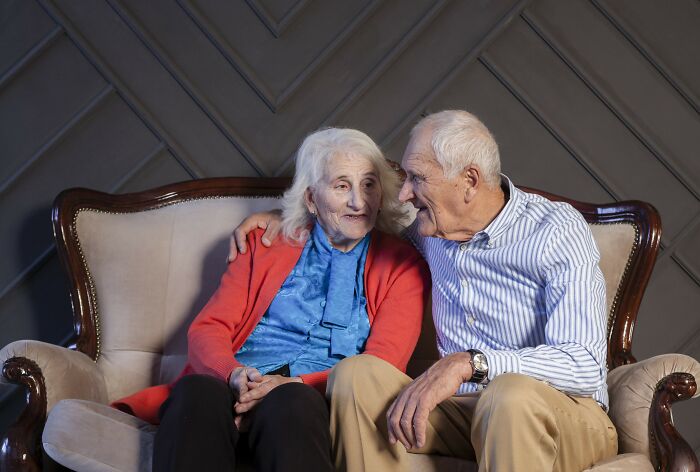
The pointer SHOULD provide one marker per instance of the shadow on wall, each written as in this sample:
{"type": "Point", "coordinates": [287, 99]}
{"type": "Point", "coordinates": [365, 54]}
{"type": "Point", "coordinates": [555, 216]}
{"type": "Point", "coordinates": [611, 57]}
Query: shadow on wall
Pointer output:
{"type": "Point", "coordinates": [40, 307]}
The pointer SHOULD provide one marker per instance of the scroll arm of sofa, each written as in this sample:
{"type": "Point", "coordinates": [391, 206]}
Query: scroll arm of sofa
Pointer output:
{"type": "Point", "coordinates": [641, 399]}
{"type": "Point", "coordinates": [58, 371]}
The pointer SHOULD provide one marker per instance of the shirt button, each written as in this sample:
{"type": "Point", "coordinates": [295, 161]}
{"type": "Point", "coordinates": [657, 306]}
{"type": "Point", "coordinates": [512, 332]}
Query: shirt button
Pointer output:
{"type": "Point", "coordinates": [471, 321]}
{"type": "Point", "coordinates": [323, 303]}
{"type": "Point", "coordinates": [464, 282]}
{"type": "Point", "coordinates": [463, 247]}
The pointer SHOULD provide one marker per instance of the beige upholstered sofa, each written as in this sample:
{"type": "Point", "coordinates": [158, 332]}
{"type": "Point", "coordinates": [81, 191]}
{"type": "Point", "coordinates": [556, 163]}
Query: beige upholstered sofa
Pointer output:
{"type": "Point", "coordinates": [142, 265]}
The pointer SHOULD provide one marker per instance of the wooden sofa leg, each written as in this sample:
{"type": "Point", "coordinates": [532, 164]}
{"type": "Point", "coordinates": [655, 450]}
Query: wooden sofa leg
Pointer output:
{"type": "Point", "coordinates": [669, 451]}
{"type": "Point", "coordinates": [20, 446]}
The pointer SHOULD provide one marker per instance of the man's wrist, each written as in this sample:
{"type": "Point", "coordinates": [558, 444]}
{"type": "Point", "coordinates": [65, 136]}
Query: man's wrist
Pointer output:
{"type": "Point", "coordinates": [479, 366]}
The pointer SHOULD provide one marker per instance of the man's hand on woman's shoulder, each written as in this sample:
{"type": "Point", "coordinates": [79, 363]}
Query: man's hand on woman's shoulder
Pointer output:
{"type": "Point", "coordinates": [270, 221]}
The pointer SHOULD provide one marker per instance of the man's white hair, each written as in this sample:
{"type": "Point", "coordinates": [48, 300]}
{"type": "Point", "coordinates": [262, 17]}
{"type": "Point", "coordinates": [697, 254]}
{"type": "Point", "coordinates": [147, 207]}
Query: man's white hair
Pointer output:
{"type": "Point", "coordinates": [460, 139]}
{"type": "Point", "coordinates": [312, 158]}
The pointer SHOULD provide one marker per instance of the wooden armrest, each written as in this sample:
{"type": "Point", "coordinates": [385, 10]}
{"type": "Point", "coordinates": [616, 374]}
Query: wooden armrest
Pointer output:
{"type": "Point", "coordinates": [669, 451]}
{"type": "Point", "coordinates": [641, 395]}
{"type": "Point", "coordinates": [48, 374]}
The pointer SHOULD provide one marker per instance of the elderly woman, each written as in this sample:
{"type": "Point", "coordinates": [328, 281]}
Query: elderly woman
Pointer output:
{"type": "Point", "coordinates": [261, 349]}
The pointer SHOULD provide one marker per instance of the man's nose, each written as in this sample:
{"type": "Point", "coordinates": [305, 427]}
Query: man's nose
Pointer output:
{"type": "Point", "coordinates": [406, 193]}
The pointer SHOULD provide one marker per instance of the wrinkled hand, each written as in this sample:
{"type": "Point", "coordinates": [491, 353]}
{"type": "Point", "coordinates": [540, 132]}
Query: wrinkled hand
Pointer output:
{"type": "Point", "coordinates": [270, 221]}
{"type": "Point", "coordinates": [258, 389]}
{"type": "Point", "coordinates": [241, 378]}
{"type": "Point", "coordinates": [407, 417]}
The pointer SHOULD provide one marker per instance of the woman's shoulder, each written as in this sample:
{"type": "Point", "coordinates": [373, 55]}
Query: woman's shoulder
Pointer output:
{"type": "Point", "coordinates": [280, 243]}
{"type": "Point", "coordinates": [391, 245]}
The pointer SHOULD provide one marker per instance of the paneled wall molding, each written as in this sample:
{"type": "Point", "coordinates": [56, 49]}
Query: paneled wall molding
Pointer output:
{"type": "Point", "coordinates": [595, 99]}
{"type": "Point", "coordinates": [594, 171]}
{"type": "Point", "coordinates": [30, 56]}
{"type": "Point", "coordinates": [658, 62]}
{"type": "Point", "coordinates": [411, 118]}
{"type": "Point", "coordinates": [274, 102]}
{"type": "Point", "coordinates": [185, 160]}
{"type": "Point", "coordinates": [275, 26]}
{"type": "Point", "coordinates": [375, 73]}
{"type": "Point", "coordinates": [89, 108]}
{"type": "Point", "coordinates": [208, 108]}
{"type": "Point", "coordinates": [627, 119]}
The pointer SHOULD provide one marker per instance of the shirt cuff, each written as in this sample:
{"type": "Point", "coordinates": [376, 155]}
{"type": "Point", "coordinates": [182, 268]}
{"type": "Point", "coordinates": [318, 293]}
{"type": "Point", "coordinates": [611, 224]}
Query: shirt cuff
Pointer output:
{"type": "Point", "coordinates": [501, 362]}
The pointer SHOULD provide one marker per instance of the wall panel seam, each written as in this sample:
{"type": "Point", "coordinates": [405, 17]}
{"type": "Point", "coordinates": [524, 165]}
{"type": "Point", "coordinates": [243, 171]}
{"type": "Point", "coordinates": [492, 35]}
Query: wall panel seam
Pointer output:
{"type": "Point", "coordinates": [376, 71]}
{"type": "Point", "coordinates": [30, 56]}
{"type": "Point", "coordinates": [146, 117]}
{"type": "Point", "coordinates": [277, 28]}
{"type": "Point", "coordinates": [326, 53]}
{"type": "Point", "coordinates": [666, 73]}
{"type": "Point", "coordinates": [91, 106]}
{"type": "Point", "coordinates": [687, 229]}
{"type": "Point", "coordinates": [29, 270]}
{"type": "Point", "coordinates": [619, 114]}
{"type": "Point", "coordinates": [138, 167]}
{"type": "Point", "coordinates": [181, 78]}
{"type": "Point", "coordinates": [447, 79]}
{"type": "Point", "coordinates": [520, 95]}
{"type": "Point", "coordinates": [229, 54]}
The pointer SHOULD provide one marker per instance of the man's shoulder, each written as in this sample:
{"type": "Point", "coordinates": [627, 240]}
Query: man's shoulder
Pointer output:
{"type": "Point", "coordinates": [550, 214]}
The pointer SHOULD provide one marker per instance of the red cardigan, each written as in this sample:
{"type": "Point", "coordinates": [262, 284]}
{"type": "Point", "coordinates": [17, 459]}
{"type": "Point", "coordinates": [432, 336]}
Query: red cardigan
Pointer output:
{"type": "Point", "coordinates": [397, 282]}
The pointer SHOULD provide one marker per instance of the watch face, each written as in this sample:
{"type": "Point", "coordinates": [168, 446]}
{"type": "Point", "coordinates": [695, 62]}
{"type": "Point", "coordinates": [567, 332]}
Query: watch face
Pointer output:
{"type": "Point", "coordinates": [480, 362]}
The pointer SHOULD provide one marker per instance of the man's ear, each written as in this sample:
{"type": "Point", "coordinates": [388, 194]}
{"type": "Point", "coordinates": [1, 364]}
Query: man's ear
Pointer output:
{"type": "Point", "coordinates": [471, 177]}
{"type": "Point", "coordinates": [309, 201]}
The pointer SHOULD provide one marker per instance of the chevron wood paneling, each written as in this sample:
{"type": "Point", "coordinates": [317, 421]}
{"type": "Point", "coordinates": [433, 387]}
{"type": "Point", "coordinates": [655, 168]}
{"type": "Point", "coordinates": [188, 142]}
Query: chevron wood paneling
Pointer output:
{"type": "Point", "coordinates": [595, 99]}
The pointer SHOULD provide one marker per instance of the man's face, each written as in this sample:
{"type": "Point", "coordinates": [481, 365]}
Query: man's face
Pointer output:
{"type": "Point", "coordinates": [439, 200]}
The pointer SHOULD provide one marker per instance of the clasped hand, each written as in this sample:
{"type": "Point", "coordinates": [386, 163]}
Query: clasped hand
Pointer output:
{"type": "Point", "coordinates": [249, 387]}
{"type": "Point", "coordinates": [407, 417]}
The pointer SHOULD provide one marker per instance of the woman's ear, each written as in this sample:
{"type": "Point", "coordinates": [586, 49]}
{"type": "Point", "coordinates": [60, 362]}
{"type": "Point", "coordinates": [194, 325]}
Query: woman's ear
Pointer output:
{"type": "Point", "coordinates": [309, 201]}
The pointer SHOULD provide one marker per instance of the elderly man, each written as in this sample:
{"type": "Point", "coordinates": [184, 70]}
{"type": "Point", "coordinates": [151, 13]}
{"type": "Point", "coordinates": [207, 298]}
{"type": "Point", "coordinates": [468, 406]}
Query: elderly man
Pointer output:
{"type": "Point", "coordinates": [519, 311]}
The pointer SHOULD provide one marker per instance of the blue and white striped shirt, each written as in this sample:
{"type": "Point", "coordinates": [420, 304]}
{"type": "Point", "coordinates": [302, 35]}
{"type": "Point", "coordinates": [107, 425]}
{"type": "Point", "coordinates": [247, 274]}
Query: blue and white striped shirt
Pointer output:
{"type": "Point", "coordinates": [527, 291]}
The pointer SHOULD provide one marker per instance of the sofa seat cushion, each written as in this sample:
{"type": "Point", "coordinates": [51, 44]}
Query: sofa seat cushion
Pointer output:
{"type": "Point", "coordinates": [88, 436]}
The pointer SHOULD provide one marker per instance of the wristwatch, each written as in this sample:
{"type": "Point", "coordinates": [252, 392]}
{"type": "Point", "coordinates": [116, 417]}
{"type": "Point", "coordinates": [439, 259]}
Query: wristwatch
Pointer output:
{"type": "Point", "coordinates": [480, 366]}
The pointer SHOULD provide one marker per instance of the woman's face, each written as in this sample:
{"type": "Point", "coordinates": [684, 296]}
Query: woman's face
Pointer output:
{"type": "Point", "coordinates": [346, 200]}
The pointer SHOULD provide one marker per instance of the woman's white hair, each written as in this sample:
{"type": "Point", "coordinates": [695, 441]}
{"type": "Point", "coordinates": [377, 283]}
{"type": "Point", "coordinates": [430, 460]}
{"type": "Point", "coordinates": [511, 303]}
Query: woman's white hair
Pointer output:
{"type": "Point", "coordinates": [311, 160]}
{"type": "Point", "coordinates": [460, 139]}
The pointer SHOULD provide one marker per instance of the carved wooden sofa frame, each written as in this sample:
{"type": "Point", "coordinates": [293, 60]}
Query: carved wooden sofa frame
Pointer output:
{"type": "Point", "coordinates": [20, 446]}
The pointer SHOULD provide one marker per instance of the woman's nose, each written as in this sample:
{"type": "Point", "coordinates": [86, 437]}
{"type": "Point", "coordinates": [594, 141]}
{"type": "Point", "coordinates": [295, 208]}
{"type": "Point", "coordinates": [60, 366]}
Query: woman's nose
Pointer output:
{"type": "Point", "coordinates": [356, 200]}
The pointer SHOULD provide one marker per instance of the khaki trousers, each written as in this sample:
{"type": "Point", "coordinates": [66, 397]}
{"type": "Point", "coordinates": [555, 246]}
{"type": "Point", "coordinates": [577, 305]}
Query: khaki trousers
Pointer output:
{"type": "Point", "coordinates": [516, 424]}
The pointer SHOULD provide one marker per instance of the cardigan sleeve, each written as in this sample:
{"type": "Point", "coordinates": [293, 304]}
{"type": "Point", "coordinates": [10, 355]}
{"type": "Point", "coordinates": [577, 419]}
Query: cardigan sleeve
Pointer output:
{"type": "Point", "coordinates": [211, 333]}
{"type": "Point", "coordinates": [398, 319]}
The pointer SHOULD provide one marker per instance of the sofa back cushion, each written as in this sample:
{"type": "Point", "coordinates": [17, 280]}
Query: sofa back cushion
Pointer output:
{"type": "Point", "coordinates": [154, 270]}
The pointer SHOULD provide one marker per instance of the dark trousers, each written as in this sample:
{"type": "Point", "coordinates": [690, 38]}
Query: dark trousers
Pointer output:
{"type": "Point", "coordinates": [288, 429]}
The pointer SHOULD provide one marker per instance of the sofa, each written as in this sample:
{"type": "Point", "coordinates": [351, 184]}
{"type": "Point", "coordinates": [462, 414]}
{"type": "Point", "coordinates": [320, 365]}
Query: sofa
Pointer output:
{"type": "Point", "coordinates": [142, 265]}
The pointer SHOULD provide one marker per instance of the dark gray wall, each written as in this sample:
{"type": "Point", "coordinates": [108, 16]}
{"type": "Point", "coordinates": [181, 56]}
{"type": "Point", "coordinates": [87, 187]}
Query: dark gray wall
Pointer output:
{"type": "Point", "coordinates": [598, 100]}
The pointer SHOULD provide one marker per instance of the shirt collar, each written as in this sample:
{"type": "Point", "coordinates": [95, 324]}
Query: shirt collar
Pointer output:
{"type": "Point", "coordinates": [508, 215]}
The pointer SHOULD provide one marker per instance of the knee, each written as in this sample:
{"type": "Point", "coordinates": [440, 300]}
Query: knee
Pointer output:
{"type": "Point", "coordinates": [201, 390]}
{"type": "Point", "coordinates": [513, 394]}
{"type": "Point", "coordinates": [292, 404]}
{"type": "Point", "coordinates": [354, 371]}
